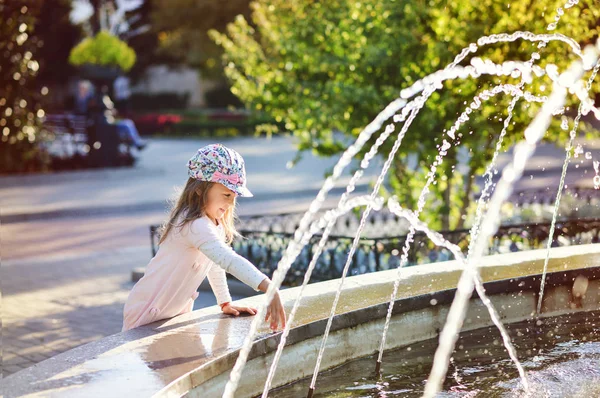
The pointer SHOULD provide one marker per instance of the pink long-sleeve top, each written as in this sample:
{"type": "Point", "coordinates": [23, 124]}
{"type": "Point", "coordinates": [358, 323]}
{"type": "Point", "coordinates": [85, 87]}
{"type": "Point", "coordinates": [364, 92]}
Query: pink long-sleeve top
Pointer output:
{"type": "Point", "coordinates": [169, 285]}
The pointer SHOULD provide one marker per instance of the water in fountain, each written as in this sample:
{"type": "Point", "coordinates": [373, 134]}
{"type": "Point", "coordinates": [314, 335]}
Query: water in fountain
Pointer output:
{"type": "Point", "coordinates": [560, 356]}
{"type": "Point", "coordinates": [439, 240]}
{"type": "Point", "coordinates": [427, 86]}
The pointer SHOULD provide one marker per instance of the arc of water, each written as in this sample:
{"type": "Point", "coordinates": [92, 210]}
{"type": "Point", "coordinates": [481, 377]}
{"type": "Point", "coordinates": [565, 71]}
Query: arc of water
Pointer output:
{"type": "Point", "coordinates": [364, 164]}
{"type": "Point", "coordinates": [511, 173]}
{"type": "Point", "coordinates": [300, 236]}
{"type": "Point", "coordinates": [362, 223]}
{"type": "Point", "coordinates": [479, 207]}
{"type": "Point", "coordinates": [488, 175]}
{"type": "Point", "coordinates": [568, 149]}
{"type": "Point", "coordinates": [357, 237]}
{"type": "Point", "coordinates": [529, 36]}
{"type": "Point", "coordinates": [295, 247]}
{"type": "Point", "coordinates": [490, 169]}
{"type": "Point", "coordinates": [479, 214]}
{"type": "Point", "coordinates": [476, 102]}
{"type": "Point", "coordinates": [292, 250]}
{"type": "Point", "coordinates": [439, 240]}
{"type": "Point", "coordinates": [506, 88]}
{"type": "Point", "coordinates": [357, 175]}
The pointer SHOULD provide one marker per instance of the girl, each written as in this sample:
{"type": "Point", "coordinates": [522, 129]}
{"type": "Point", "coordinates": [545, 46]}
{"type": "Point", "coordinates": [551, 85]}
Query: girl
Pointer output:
{"type": "Point", "coordinates": [194, 244]}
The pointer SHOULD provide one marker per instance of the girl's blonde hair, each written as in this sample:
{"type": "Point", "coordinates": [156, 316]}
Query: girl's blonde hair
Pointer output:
{"type": "Point", "coordinates": [191, 205]}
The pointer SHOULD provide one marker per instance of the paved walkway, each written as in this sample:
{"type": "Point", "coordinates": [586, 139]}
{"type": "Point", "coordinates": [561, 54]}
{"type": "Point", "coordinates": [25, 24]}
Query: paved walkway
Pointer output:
{"type": "Point", "coordinates": [70, 240]}
{"type": "Point", "coordinates": [161, 169]}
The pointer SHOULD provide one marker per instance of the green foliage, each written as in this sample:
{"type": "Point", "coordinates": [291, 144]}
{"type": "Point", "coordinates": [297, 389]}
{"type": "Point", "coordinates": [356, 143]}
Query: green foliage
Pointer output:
{"type": "Point", "coordinates": [103, 49]}
{"type": "Point", "coordinates": [182, 29]}
{"type": "Point", "coordinates": [20, 96]}
{"type": "Point", "coordinates": [59, 35]}
{"type": "Point", "coordinates": [326, 67]}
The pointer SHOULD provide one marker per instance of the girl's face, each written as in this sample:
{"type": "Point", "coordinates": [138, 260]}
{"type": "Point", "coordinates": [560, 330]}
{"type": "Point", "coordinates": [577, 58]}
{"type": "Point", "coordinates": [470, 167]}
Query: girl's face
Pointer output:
{"type": "Point", "coordinates": [220, 199]}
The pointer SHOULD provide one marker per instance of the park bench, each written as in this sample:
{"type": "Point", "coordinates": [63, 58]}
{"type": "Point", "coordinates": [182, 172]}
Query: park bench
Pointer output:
{"type": "Point", "coordinates": [69, 135]}
{"type": "Point", "coordinates": [70, 144]}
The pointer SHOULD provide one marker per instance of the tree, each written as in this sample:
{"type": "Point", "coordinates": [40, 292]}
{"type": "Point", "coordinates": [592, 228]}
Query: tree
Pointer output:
{"type": "Point", "coordinates": [20, 96]}
{"type": "Point", "coordinates": [182, 27]}
{"type": "Point", "coordinates": [58, 36]}
{"type": "Point", "coordinates": [322, 67]}
{"type": "Point", "coordinates": [143, 38]}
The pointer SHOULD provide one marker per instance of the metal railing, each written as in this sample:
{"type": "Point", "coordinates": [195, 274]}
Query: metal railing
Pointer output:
{"type": "Point", "coordinates": [265, 248]}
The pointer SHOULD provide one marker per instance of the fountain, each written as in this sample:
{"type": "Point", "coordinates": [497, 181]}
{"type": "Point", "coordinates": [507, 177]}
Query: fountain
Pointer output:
{"type": "Point", "coordinates": [330, 323]}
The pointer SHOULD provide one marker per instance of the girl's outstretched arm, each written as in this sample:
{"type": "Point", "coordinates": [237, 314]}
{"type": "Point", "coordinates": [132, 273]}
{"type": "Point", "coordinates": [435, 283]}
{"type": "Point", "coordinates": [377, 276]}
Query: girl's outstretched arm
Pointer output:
{"type": "Point", "coordinates": [205, 236]}
{"type": "Point", "coordinates": [218, 283]}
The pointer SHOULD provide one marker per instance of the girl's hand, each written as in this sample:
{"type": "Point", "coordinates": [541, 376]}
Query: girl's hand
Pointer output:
{"type": "Point", "coordinates": [235, 310]}
{"type": "Point", "coordinates": [275, 309]}
{"type": "Point", "coordinates": [276, 312]}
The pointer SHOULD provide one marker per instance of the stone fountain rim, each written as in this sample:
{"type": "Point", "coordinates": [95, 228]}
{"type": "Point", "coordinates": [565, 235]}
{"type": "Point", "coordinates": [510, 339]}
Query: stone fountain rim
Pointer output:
{"type": "Point", "coordinates": [40, 375]}
{"type": "Point", "coordinates": [266, 343]}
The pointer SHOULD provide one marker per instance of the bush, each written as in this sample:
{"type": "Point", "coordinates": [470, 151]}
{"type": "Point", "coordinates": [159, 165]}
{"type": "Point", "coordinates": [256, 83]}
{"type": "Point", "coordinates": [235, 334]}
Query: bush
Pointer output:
{"type": "Point", "coordinates": [103, 49]}
{"type": "Point", "coordinates": [152, 123]}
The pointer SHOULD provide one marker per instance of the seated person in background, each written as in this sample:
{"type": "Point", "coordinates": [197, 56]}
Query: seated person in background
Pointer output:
{"type": "Point", "coordinates": [81, 102]}
{"type": "Point", "coordinates": [121, 94]}
{"type": "Point", "coordinates": [125, 127]}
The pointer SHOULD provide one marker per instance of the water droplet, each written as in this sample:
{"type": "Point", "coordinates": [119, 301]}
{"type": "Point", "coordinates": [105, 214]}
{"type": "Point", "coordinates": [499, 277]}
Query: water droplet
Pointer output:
{"type": "Point", "coordinates": [588, 155]}
{"type": "Point", "coordinates": [565, 123]}
{"type": "Point", "coordinates": [578, 151]}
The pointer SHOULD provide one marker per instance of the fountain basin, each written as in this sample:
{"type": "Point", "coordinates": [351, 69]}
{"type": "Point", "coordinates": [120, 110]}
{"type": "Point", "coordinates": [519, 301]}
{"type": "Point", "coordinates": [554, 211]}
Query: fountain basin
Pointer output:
{"type": "Point", "coordinates": [193, 354]}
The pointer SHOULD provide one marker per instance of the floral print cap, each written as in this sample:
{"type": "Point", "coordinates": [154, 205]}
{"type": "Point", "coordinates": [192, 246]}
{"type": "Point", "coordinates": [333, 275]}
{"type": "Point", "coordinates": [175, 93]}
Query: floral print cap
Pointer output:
{"type": "Point", "coordinates": [217, 163]}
